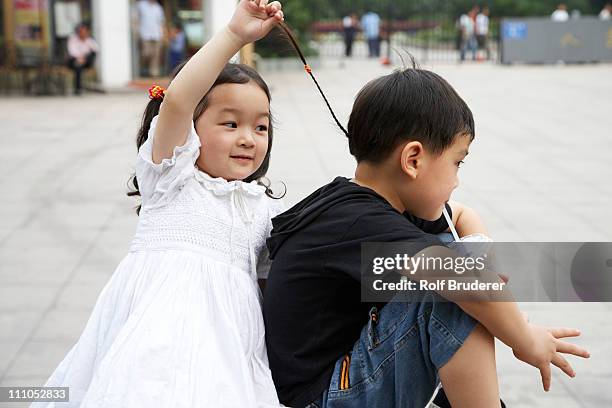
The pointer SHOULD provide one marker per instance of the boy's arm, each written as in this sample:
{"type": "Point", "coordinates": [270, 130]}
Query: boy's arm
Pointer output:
{"type": "Point", "coordinates": [537, 346]}
{"type": "Point", "coordinates": [466, 220]}
{"type": "Point", "coordinates": [534, 345]}
{"type": "Point", "coordinates": [250, 22]}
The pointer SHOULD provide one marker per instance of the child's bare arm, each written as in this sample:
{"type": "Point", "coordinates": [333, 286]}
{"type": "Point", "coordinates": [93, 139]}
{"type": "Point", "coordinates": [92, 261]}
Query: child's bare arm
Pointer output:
{"type": "Point", "coordinates": [186, 90]}
{"type": "Point", "coordinates": [537, 346]}
{"type": "Point", "coordinates": [252, 20]}
{"type": "Point", "coordinates": [466, 220]}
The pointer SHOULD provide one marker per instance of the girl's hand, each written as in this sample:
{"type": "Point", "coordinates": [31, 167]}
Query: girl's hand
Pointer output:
{"type": "Point", "coordinates": [253, 19]}
{"type": "Point", "coordinates": [544, 348]}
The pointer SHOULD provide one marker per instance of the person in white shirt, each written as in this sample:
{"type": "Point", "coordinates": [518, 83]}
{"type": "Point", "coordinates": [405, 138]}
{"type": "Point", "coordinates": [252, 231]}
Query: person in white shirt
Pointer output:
{"type": "Point", "coordinates": [482, 30]}
{"type": "Point", "coordinates": [150, 22]}
{"type": "Point", "coordinates": [82, 51]}
{"type": "Point", "coordinates": [560, 14]}
{"type": "Point", "coordinates": [350, 25]}
{"type": "Point", "coordinates": [605, 12]}
{"type": "Point", "coordinates": [466, 27]}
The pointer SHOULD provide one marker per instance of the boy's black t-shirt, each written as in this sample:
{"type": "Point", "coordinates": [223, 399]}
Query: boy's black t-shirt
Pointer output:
{"type": "Point", "coordinates": [312, 305]}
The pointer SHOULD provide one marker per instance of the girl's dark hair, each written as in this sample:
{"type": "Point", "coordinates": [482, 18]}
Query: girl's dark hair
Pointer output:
{"type": "Point", "coordinates": [296, 46]}
{"type": "Point", "coordinates": [408, 104]}
{"type": "Point", "coordinates": [231, 74]}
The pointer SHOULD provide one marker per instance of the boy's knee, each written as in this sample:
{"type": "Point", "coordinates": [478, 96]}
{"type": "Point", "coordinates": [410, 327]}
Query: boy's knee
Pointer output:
{"type": "Point", "coordinates": [447, 327]}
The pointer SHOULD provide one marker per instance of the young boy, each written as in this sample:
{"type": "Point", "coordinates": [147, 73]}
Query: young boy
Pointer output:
{"type": "Point", "coordinates": [409, 132]}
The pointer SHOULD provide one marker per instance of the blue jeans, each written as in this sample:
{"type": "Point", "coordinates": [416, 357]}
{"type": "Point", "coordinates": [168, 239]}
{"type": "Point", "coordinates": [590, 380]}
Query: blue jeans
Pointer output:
{"type": "Point", "coordinates": [396, 360]}
{"type": "Point", "coordinates": [374, 47]}
{"type": "Point", "coordinates": [471, 44]}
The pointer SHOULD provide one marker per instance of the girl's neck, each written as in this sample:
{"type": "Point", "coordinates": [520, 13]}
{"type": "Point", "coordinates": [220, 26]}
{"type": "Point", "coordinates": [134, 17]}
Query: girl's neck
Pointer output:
{"type": "Point", "coordinates": [216, 176]}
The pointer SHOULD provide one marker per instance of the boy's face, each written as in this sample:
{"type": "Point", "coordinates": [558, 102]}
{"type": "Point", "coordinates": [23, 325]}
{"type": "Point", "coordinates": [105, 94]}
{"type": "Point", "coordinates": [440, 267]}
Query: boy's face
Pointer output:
{"type": "Point", "coordinates": [432, 178]}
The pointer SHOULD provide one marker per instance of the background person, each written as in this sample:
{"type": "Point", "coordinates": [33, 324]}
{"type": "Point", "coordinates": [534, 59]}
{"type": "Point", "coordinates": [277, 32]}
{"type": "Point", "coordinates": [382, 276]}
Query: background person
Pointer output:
{"type": "Point", "coordinates": [150, 21]}
{"type": "Point", "coordinates": [82, 49]}
{"type": "Point", "coordinates": [177, 45]}
{"type": "Point", "coordinates": [350, 25]}
{"type": "Point", "coordinates": [482, 31]}
{"type": "Point", "coordinates": [468, 38]}
{"type": "Point", "coordinates": [370, 24]}
{"type": "Point", "coordinates": [560, 14]}
{"type": "Point", "coordinates": [605, 12]}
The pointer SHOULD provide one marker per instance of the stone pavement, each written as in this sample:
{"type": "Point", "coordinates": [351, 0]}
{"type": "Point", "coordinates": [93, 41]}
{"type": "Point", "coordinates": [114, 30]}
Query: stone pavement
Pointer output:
{"type": "Point", "coordinates": [538, 170]}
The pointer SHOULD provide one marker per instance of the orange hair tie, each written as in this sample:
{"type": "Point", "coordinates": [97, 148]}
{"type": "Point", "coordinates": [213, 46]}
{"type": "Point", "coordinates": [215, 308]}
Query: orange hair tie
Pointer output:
{"type": "Point", "coordinates": [156, 92]}
{"type": "Point", "coordinates": [307, 68]}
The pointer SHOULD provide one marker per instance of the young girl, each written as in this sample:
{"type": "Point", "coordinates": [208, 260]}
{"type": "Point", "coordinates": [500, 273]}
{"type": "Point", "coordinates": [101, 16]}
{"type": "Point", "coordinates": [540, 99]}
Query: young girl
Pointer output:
{"type": "Point", "coordinates": [179, 324]}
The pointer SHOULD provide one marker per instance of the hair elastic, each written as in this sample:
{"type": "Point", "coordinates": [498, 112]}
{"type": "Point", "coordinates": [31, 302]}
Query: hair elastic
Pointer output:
{"type": "Point", "coordinates": [156, 92]}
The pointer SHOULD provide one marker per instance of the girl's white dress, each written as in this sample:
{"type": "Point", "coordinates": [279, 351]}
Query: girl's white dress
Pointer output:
{"type": "Point", "coordinates": [179, 324]}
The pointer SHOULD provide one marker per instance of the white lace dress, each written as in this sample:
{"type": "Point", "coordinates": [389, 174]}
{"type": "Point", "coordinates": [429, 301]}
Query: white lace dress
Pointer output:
{"type": "Point", "coordinates": [179, 324]}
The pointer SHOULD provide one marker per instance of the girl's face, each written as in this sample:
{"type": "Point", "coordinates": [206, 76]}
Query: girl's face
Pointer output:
{"type": "Point", "coordinates": [437, 178]}
{"type": "Point", "coordinates": [233, 131]}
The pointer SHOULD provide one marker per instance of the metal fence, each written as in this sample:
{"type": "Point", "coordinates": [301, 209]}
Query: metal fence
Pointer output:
{"type": "Point", "coordinates": [429, 31]}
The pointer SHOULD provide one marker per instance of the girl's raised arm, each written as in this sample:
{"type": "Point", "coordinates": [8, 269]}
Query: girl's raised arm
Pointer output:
{"type": "Point", "coordinates": [252, 20]}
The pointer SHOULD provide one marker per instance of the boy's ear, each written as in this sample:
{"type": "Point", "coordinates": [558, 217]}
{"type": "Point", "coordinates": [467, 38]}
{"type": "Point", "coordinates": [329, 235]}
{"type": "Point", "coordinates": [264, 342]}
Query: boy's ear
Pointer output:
{"type": "Point", "coordinates": [411, 158]}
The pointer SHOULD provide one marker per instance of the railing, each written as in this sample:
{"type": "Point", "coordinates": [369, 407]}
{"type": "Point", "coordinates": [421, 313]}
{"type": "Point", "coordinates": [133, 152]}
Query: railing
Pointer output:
{"type": "Point", "coordinates": [427, 40]}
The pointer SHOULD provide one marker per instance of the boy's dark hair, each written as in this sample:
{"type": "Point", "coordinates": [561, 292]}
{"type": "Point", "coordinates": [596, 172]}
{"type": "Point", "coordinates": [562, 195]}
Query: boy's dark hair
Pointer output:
{"type": "Point", "coordinates": [409, 104]}
{"type": "Point", "coordinates": [231, 74]}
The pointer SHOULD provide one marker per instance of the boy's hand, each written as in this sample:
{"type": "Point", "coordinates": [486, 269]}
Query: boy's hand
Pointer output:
{"type": "Point", "coordinates": [253, 19]}
{"type": "Point", "coordinates": [544, 348]}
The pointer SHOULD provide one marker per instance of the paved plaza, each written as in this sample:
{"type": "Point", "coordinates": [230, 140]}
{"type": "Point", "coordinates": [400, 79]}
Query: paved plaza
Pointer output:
{"type": "Point", "coordinates": [539, 170]}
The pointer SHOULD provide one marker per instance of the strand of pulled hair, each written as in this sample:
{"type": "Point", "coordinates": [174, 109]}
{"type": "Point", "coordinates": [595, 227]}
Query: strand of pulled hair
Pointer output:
{"type": "Point", "coordinates": [307, 68]}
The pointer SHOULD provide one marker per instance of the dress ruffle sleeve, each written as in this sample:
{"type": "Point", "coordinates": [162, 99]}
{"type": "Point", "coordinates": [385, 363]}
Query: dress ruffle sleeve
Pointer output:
{"type": "Point", "coordinates": [158, 183]}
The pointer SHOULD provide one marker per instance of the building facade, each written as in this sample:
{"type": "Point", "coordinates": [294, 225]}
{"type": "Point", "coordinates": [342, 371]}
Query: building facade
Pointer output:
{"type": "Point", "coordinates": [36, 31]}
